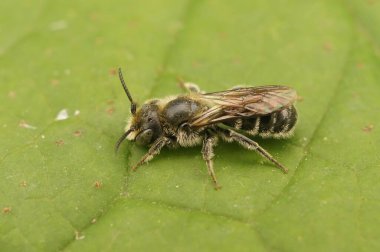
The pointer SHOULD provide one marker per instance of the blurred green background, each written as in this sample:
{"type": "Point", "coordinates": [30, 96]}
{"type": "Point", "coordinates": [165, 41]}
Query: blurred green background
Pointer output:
{"type": "Point", "coordinates": [63, 188]}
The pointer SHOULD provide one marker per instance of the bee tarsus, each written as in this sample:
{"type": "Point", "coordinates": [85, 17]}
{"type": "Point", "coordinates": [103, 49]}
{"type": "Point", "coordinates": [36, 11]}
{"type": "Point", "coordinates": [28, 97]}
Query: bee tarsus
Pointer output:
{"type": "Point", "coordinates": [209, 141]}
{"type": "Point", "coordinates": [252, 145]}
{"type": "Point", "coordinates": [153, 151]}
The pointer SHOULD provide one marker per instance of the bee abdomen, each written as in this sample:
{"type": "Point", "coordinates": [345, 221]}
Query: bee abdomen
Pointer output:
{"type": "Point", "coordinates": [279, 124]}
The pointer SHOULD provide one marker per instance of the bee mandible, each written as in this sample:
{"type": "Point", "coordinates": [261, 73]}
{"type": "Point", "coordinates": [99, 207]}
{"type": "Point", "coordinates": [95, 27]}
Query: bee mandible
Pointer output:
{"type": "Point", "coordinates": [199, 118]}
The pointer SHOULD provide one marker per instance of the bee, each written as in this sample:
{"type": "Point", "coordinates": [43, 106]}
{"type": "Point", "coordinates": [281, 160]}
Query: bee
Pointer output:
{"type": "Point", "coordinates": [200, 118]}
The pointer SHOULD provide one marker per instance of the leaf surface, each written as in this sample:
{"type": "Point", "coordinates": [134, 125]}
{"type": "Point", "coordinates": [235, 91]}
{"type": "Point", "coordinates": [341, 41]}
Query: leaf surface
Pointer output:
{"type": "Point", "coordinates": [64, 189]}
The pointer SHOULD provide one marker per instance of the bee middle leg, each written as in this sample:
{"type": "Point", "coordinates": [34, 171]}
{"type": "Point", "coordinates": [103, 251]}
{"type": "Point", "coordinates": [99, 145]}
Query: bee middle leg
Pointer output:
{"type": "Point", "coordinates": [153, 151]}
{"type": "Point", "coordinates": [209, 142]}
{"type": "Point", "coordinates": [252, 145]}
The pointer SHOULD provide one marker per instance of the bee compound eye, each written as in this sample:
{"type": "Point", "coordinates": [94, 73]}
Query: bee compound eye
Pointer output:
{"type": "Point", "coordinates": [145, 137]}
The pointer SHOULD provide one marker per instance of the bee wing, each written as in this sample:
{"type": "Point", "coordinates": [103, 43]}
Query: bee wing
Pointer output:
{"type": "Point", "coordinates": [243, 102]}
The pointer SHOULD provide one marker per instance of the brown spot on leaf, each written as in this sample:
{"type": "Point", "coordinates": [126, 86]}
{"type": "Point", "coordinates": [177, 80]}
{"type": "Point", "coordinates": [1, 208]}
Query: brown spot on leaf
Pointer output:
{"type": "Point", "coordinates": [59, 142]}
{"type": "Point", "coordinates": [160, 70]}
{"type": "Point", "coordinates": [110, 110]}
{"type": "Point", "coordinates": [355, 95]}
{"type": "Point", "coordinates": [77, 133]}
{"type": "Point", "coordinates": [368, 128]}
{"type": "Point", "coordinates": [133, 23]}
{"type": "Point", "coordinates": [54, 82]}
{"type": "Point", "coordinates": [359, 65]}
{"type": "Point", "coordinates": [7, 210]}
{"type": "Point", "coordinates": [112, 71]}
{"type": "Point", "coordinates": [23, 183]}
{"type": "Point", "coordinates": [371, 2]}
{"type": "Point", "coordinates": [98, 184]}
{"type": "Point", "coordinates": [236, 61]}
{"type": "Point", "coordinates": [94, 16]}
{"type": "Point", "coordinates": [196, 64]}
{"type": "Point", "coordinates": [12, 94]}
{"type": "Point", "coordinates": [222, 35]}
{"type": "Point", "coordinates": [327, 47]}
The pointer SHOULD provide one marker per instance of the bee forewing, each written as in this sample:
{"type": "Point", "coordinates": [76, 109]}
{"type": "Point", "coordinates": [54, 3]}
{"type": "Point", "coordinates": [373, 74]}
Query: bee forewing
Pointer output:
{"type": "Point", "coordinates": [244, 102]}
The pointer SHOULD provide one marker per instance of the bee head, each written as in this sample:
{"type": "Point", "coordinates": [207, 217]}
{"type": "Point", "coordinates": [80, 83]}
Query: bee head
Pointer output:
{"type": "Point", "coordinates": [145, 125]}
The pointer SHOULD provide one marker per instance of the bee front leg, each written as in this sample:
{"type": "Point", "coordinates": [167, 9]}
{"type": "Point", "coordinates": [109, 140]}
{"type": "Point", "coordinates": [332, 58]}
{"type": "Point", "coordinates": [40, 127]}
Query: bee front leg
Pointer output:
{"type": "Point", "coordinates": [208, 154]}
{"type": "Point", "coordinates": [252, 145]}
{"type": "Point", "coordinates": [153, 151]}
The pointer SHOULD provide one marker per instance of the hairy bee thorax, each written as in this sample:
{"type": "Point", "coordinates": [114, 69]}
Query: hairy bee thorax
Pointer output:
{"type": "Point", "coordinates": [180, 110]}
{"type": "Point", "coordinates": [174, 116]}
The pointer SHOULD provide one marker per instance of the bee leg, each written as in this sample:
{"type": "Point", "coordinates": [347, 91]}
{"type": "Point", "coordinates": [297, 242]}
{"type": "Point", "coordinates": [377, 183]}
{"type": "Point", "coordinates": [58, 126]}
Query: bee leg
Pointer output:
{"type": "Point", "coordinates": [252, 145]}
{"type": "Point", "coordinates": [208, 153]}
{"type": "Point", "coordinates": [153, 151]}
{"type": "Point", "coordinates": [190, 87]}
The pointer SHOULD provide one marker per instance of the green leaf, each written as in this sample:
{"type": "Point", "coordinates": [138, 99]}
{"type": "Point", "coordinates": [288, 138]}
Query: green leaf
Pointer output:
{"type": "Point", "coordinates": [64, 189]}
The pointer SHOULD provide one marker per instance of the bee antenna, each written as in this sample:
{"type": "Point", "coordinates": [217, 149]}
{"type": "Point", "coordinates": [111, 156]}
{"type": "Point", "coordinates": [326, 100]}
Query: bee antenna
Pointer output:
{"type": "Point", "coordinates": [121, 139]}
{"type": "Point", "coordinates": [133, 104]}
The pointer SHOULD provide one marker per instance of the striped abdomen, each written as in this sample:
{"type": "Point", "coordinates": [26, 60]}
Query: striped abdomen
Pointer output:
{"type": "Point", "coordinates": [279, 124]}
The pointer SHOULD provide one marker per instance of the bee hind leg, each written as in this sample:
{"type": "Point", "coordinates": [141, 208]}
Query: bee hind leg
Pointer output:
{"type": "Point", "coordinates": [190, 87]}
{"type": "Point", "coordinates": [252, 145]}
{"type": "Point", "coordinates": [153, 151]}
{"type": "Point", "coordinates": [208, 154]}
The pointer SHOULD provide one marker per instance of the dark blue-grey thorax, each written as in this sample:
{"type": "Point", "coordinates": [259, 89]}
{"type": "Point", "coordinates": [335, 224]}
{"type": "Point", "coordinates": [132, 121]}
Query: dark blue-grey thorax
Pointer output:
{"type": "Point", "coordinates": [180, 110]}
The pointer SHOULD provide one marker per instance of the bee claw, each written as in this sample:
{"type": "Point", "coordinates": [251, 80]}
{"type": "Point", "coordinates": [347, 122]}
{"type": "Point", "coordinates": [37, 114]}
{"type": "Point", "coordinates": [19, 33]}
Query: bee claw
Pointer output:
{"type": "Point", "coordinates": [283, 168]}
{"type": "Point", "coordinates": [217, 187]}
